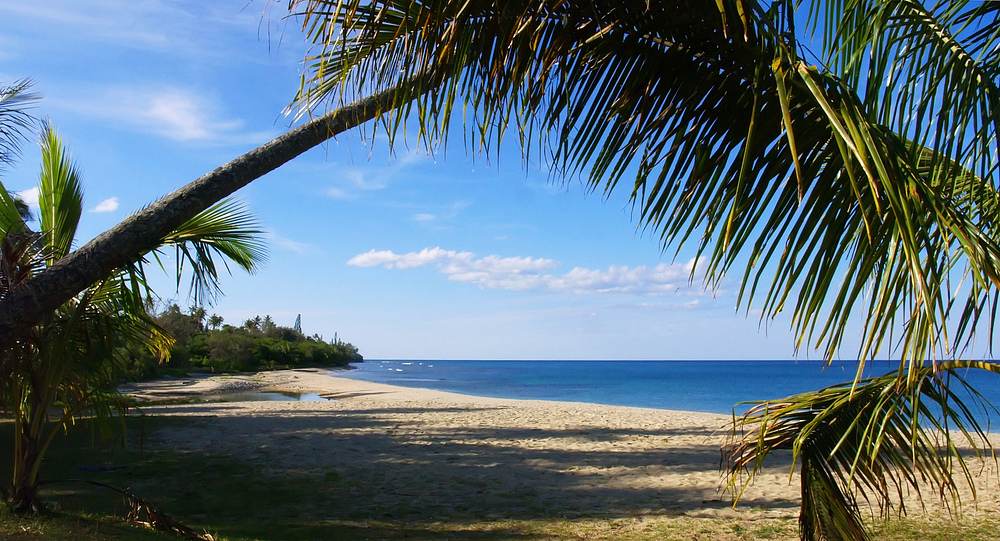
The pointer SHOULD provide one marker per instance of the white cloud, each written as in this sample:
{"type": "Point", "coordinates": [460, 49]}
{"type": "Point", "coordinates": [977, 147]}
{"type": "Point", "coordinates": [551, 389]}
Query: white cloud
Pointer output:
{"type": "Point", "coordinates": [108, 21]}
{"type": "Point", "coordinates": [152, 25]}
{"type": "Point", "coordinates": [424, 217]}
{"type": "Point", "coordinates": [108, 205]}
{"type": "Point", "coordinates": [407, 261]}
{"type": "Point", "coordinates": [30, 196]}
{"type": "Point", "coordinates": [534, 274]}
{"type": "Point", "coordinates": [179, 115]}
{"type": "Point", "coordinates": [337, 193]}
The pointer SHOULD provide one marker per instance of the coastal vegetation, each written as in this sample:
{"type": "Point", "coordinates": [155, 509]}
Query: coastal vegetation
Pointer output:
{"type": "Point", "coordinates": [207, 344]}
{"type": "Point", "coordinates": [66, 366]}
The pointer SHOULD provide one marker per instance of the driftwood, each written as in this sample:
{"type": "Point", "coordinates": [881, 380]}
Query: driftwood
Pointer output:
{"type": "Point", "coordinates": [143, 514]}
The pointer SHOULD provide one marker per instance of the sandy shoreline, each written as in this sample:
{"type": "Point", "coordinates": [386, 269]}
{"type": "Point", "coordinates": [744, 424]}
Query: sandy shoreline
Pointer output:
{"type": "Point", "coordinates": [438, 455]}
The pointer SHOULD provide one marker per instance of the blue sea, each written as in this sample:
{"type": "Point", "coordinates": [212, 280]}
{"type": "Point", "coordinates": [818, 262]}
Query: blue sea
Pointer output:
{"type": "Point", "coordinates": [709, 386]}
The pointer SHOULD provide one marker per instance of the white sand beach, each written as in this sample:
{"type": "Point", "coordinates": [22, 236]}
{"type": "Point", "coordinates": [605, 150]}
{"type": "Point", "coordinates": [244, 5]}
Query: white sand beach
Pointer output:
{"type": "Point", "coordinates": [492, 458]}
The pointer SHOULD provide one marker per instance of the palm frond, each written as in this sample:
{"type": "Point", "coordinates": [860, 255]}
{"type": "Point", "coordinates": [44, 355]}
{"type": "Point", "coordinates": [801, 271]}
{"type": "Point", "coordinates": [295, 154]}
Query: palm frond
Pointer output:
{"type": "Point", "coordinates": [873, 438]}
{"type": "Point", "coordinates": [929, 73]}
{"type": "Point", "coordinates": [15, 102]}
{"type": "Point", "coordinates": [60, 197]}
{"type": "Point", "coordinates": [11, 216]}
{"type": "Point", "coordinates": [227, 229]}
{"type": "Point", "coordinates": [735, 144]}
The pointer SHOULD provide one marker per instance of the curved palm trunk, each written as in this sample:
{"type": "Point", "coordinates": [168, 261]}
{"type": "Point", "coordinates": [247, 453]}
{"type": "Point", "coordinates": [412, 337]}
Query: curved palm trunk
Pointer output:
{"type": "Point", "coordinates": [25, 306]}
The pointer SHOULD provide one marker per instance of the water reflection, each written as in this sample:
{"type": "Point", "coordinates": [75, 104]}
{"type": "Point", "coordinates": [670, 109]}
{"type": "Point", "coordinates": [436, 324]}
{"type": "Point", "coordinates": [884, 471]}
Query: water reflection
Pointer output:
{"type": "Point", "coordinates": [269, 396]}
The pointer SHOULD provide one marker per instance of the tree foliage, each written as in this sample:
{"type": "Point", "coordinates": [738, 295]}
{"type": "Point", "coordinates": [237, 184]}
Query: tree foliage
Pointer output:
{"type": "Point", "coordinates": [258, 344]}
{"type": "Point", "coordinates": [67, 364]}
{"type": "Point", "coordinates": [858, 187]}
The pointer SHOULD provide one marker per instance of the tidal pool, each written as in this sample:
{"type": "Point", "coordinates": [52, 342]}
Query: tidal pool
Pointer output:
{"type": "Point", "coordinates": [268, 396]}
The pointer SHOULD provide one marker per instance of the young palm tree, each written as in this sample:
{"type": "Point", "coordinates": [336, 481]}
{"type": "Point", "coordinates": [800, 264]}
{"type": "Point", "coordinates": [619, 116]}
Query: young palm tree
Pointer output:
{"type": "Point", "coordinates": [866, 186]}
{"type": "Point", "coordinates": [69, 361]}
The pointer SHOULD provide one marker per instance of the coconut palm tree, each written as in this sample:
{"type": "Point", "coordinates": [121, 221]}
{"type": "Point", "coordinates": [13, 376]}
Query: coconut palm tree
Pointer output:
{"type": "Point", "coordinates": [856, 185]}
{"type": "Point", "coordinates": [68, 362]}
{"type": "Point", "coordinates": [831, 192]}
{"type": "Point", "coordinates": [144, 230]}
{"type": "Point", "coordinates": [215, 321]}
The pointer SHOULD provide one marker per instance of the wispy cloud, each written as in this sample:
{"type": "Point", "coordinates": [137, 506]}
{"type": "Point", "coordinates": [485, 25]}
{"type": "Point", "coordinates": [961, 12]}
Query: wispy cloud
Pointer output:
{"type": "Point", "coordinates": [101, 19]}
{"type": "Point", "coordinates": [534, 274]}
{"type": "Point", "coordinates": [288, 245]}
{"type": "Point", "coordinates": [108, 205]}
{"type": "Point", "coordinates": [349, 182]}
{"type": "Point", "coordinates": [179, 115]}
{"type": "Point", "coordinates": [150, 25]}
{"type": "Point", "coordinates": [442, 214]}
{"type": "Point", "coordinates": [176, 113]}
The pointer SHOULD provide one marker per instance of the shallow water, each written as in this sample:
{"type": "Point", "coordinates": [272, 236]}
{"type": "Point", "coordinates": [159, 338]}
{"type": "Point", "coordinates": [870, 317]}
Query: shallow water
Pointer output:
{"type": "Point", "coordinates": [258, 396]}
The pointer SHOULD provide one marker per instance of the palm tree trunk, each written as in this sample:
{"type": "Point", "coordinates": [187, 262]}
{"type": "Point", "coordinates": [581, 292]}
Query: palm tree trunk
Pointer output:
{"type": "Point", "coordinates": [23, 494]}
{"type": "Point", "coordinates": [24, 490]}
{"type": "Point", "coordinates": [25, 306]}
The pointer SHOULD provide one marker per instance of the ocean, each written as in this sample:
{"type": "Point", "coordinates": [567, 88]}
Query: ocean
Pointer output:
{"type": "Point", "coordinates": [709, 386]}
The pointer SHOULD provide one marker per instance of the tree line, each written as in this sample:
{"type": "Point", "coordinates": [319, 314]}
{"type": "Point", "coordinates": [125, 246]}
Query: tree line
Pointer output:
{"type": "Point", "coordinates": [207, 343]}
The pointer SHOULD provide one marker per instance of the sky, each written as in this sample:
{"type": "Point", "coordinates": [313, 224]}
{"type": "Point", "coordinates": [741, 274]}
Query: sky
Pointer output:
{"type": "Point", "coordinates": [407, 254]}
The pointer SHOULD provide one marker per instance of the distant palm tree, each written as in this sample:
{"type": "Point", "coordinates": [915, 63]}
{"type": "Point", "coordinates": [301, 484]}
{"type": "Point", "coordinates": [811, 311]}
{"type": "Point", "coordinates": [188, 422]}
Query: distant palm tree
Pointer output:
{"type": "Point", "coordinates": [22, 208]}
{"type": "Point", "coordinates": [860, 189]}
{"type": "Point", "coordinates": [69, 362]}
{"type": "Point", "coordinates": [215, 321]}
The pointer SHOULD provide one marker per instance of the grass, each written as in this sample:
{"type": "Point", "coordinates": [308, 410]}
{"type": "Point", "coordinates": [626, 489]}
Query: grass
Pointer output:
{"type": "Point", "coordinates": [238, 501]}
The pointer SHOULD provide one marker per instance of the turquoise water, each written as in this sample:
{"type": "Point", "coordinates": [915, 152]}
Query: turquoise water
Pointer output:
{"type": "Point", "coordinates": [710, 386]}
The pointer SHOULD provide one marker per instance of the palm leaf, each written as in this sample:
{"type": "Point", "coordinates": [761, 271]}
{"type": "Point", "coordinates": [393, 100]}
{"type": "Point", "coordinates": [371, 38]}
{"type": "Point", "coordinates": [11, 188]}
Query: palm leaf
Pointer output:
{"type": "Point", "coordinates": [227, 229]}
{"type": "Point", "coordinates": [15, 101]}
{"type": "Point", "coordinates": [60, 197]}
{"type": "Point", "coordinates": [11, 219]}
{"type": "Point", "coordinates": [734, 144]}
{"type": "Point", "coordinates": [928, 72]}
{"type": "Point", "coordinates": [874, 437]}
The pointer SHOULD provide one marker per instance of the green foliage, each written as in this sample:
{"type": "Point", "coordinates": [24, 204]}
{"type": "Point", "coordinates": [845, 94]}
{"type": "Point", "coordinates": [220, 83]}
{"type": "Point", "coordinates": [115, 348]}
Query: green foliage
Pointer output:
{"type": "Point", "coordinates": [726, 135]}
{"type": "Point", "coordinates": [862, 190]}
{"type": "Point", "coordinates": [66, 366]}
{"type": "Point", "coordinates": [878, 436]}
{"type": "Point", "coordinates": [259, 344]}
{"type": "Point", "coordinates": [15, 100]}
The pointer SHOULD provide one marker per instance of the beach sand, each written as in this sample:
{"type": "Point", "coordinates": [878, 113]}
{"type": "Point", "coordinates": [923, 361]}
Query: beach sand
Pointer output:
{"type": "Point", "coordinates": [409, 454]}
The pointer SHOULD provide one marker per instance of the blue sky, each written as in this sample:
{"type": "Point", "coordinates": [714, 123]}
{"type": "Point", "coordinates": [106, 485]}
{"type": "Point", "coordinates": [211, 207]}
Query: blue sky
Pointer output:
{"type": "Point", "coordinates": [445, 256]}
